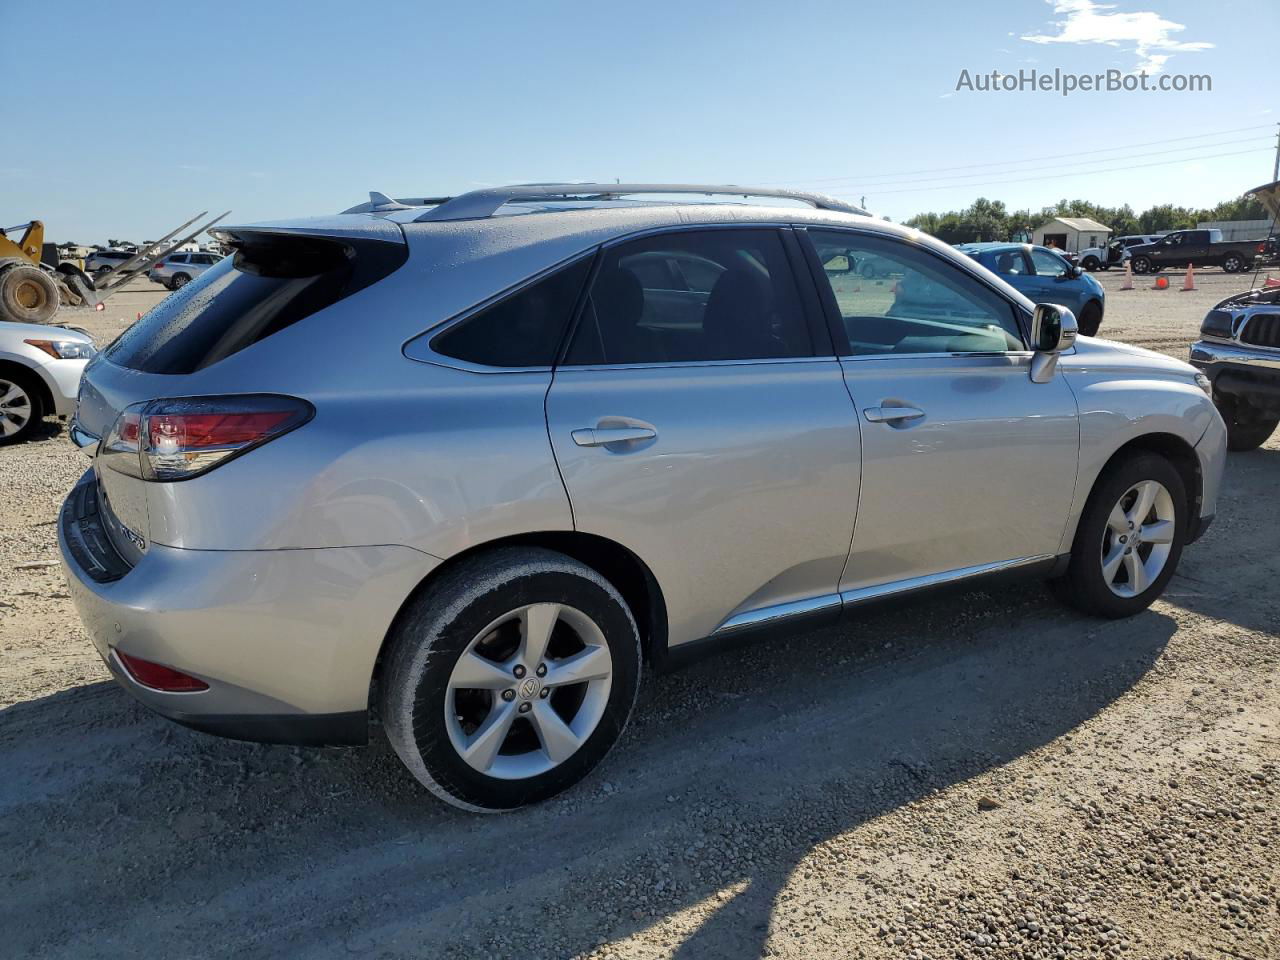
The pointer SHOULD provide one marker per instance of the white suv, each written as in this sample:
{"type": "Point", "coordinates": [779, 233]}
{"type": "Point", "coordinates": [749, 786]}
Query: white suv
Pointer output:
{"type": "Point", "coordinates": [40, 368]}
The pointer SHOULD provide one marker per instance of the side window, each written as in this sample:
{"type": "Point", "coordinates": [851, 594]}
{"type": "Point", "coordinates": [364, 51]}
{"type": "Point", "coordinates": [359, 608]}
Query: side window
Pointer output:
{"type": "Point", "coordinates": [1009, 263]}
{"type": "Point", "coordinates": [521, 330]}
{"type": "Point", "coordinates": [924, 305]}
{"type": "Point", "coordinates": [736, 300]}
{"type": "Point", "coordinates": [1048, 264]}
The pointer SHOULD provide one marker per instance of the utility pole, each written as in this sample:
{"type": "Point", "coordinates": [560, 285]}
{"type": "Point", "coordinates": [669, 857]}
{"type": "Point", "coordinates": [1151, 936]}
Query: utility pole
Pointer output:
{"type": "Point", "coordinates": [1275, 171]}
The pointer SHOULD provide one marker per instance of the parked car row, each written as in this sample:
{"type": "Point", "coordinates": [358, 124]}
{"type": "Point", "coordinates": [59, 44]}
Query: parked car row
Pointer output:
{"type": "Point", "coordinates": [594, 440]}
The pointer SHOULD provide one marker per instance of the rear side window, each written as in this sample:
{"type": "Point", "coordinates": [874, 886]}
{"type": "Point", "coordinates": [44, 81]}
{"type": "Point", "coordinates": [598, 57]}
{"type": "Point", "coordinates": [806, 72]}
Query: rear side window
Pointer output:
{"type": "Point", "coordinates": [520, 330]}
{"type": "Point", "coordinates": [271, 282]}
{"type": "Point", "coordinates": [693, 296]}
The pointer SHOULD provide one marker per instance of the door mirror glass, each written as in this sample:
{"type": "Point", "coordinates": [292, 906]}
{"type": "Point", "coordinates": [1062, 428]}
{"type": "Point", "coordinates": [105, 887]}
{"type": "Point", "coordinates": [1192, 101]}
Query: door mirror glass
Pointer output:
{"type": "Point", "coordinates": [1053, 328]}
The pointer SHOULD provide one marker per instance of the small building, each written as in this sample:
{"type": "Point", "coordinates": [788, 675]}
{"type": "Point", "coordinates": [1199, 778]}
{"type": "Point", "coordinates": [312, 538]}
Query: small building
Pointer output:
{"type": "Point", "coordinates": [1233, 230]}
{"type": "Point", "coordinates": [1071, 234]}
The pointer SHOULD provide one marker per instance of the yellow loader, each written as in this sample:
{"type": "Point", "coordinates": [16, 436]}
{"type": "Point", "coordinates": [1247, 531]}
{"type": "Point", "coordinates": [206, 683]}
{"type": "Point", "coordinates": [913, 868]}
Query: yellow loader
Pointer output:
{"type": "Point", "coordinates": [31, 290]}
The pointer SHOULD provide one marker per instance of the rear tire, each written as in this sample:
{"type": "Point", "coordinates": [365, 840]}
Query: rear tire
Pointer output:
{"type": "Point", "coordinates": [1108, 576]}
{"type": "Point", "coordinates": [1091, 263]}
{"type": "Point", "coordinates": [486, 743]}
{"type": "Point", "coordinates": [1233, 264]}
{"type": "Point", "coordinates": [27, 294]}
{"type": "Point", "coordinates": [179, 281]}
{"type": "Point", "coordinates": [1141, 264]}
{"type": "Point", "coordinates": [20, 409]}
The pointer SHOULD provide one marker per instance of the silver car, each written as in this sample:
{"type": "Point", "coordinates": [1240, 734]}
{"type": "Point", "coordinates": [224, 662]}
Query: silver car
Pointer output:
{"type": "Point", "coordinates": [469, 464]}
{"type": "Point", "coordinates": [40, 368]}
{"type": "Point", "coordinates": [178, 269]}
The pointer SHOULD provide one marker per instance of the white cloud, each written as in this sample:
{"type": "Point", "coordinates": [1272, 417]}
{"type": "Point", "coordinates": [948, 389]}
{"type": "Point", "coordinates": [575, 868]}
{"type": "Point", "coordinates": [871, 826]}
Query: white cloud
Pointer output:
{"type": "Point", "coordinates": [1144, 32]}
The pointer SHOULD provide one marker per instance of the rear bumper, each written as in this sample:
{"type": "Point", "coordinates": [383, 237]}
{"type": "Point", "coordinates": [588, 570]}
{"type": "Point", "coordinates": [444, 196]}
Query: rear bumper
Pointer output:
{"type": "Point", "coordinates": [286, 640]}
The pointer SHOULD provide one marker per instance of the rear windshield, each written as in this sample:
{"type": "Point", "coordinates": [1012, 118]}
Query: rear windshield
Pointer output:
{"type": "Point", "coordinates": [270, 283]}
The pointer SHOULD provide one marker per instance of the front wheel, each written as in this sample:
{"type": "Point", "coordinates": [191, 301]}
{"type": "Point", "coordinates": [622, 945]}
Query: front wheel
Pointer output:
{"type": "Point", "coordinates": [1141, 264]}
{"type": "Point", "coordinates": [1129, 538]}
{"type": "Point", "coordinates": [510, 678]}
{"type": "Point", "coordinates": [19, 407]}
{"type": "Point", "coordinates": [1091, 263]}
{"type": "Point", "coordinates": [1090, 318]}
{"type": "Point", "coordinates": [1233, 264]}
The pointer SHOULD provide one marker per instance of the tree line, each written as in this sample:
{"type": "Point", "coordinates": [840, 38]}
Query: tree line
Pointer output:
{"type": "Point", "coordinates": [991, 220]}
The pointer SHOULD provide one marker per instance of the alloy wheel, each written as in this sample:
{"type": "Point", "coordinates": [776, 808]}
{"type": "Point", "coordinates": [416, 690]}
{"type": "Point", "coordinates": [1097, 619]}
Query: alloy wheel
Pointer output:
{"type": "Point", "coordinates": [1138, 538]}
{"type": "Point", "coordinates": [16, 408]}
{"type": "Point", "coordinates": [528, 691]}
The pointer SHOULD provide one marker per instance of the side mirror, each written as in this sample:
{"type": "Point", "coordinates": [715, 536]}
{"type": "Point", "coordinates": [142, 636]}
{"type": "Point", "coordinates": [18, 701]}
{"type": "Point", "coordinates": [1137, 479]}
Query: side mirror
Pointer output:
{"type": "Point", "coordinates": [840, 263]}
{"type": "Point", "coordinates": [1053, 330]}
{"type": "Point", "coordinates": [1073, 272]}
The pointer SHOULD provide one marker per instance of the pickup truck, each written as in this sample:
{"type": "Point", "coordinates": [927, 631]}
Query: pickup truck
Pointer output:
{"type": "Point", "coordinates": [1204, 248]}
{"type": "Point", "coordinates": [1239, 351]}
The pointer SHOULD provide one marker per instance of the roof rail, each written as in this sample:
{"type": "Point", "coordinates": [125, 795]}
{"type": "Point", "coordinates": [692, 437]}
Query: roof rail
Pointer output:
{"type": "Point", "coordinates": [485, 203]}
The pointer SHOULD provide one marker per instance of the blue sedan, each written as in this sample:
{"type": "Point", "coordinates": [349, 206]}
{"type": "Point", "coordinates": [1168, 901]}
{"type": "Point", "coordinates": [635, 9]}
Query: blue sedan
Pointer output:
{"type": "Point", "coordinates": [1045, 276]}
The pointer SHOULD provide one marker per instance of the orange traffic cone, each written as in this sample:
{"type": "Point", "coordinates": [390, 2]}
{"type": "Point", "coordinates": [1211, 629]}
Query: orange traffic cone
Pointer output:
{"type": "Point", "coordinates": [1190, 282]}
{"type": "Point", "coordinates": [1162, 283]}
{"type": "Point", "coordinates": [1128, 276]}
{"type": "Point", "coordinates": [1271, 281]}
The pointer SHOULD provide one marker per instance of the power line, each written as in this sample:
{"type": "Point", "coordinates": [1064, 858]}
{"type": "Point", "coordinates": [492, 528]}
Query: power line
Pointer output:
{"type": "Point", "coordinates": [1081, 173]}
{"type": "Point", "coordinates": [1005, 163]}
{"type": "Point", "coordinates": [1070, 164]}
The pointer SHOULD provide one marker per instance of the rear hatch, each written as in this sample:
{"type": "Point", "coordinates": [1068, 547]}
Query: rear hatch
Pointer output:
{"type": "Point", "coordinates": [279, 275]}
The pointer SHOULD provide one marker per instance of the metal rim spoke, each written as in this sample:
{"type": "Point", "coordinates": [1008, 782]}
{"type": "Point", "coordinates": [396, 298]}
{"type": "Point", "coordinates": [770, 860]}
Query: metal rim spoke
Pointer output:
{"type": "Point", "coordinates": [1111, 564]}
{"type": "Point", "coordinates": [592, 663]}
{"type": "Point", "coordinates": [485, 743]}
{"type": "Point", "coordinates": [474, 672]}
{"type": "Point", "coordinates": [558, 739]}
{"type": "Point", "coordinates": [1138, 538]}
{"type": "Point", "coordinates": [536, 624]}
{"type": "Point", "coordinates": [1159, 532]}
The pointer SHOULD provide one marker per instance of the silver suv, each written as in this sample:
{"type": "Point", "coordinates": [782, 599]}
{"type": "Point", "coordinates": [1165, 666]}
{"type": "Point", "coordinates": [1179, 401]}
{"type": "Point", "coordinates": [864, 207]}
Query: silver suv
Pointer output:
{"type": "Point", "coordinates": [469, 463]}
{"type": "Point", "coordinates": [179, 269]}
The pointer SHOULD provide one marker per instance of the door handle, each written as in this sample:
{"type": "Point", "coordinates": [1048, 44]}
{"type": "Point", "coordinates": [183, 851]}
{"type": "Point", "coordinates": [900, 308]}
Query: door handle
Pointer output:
{"type": "Point", "coordinates": [603, 436]}
{"type": "Point", "coordinates": [892, 414]}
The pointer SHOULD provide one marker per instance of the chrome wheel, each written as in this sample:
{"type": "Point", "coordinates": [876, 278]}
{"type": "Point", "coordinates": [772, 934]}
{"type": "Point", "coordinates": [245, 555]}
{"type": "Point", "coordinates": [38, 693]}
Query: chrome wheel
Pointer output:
{"type": "Point", "coordinates": [16, 408]}
{"type": "Point", "coordinates": [528, 691]}
{"type": "Point", "coordinates": [1138, 538]}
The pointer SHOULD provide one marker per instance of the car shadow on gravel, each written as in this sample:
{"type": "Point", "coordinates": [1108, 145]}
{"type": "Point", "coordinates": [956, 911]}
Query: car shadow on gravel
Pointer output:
{"type": "Point", "coordinates": [734, 771]}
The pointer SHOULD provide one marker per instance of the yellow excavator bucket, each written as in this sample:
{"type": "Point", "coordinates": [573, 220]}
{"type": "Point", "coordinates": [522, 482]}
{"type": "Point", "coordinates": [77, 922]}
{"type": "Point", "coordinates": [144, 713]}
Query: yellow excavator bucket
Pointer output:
{"type": "Point", "coordinates": [26, 248]}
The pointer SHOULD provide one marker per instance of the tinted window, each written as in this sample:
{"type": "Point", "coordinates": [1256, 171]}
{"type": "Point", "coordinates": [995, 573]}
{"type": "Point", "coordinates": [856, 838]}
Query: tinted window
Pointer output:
{"type": "Point", "coordinates": [1048, 264]}
{"type": "Point", "coordinates": [724, 295]}
{"type": "Point", "coordinates": [272, 282]}
{"type": "Point", "coordinates": [920, 304]}
{"type": "Point", "coordinates": [522, 330]}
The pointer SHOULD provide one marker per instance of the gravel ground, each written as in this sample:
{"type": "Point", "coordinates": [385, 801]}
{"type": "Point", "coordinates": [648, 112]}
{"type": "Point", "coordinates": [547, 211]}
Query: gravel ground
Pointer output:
{"type": "Point", "coordinates": [971, 776]}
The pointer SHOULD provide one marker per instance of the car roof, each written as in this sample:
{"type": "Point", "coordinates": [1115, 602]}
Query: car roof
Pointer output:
{"type": "Point", "coordinates": [990, 246]}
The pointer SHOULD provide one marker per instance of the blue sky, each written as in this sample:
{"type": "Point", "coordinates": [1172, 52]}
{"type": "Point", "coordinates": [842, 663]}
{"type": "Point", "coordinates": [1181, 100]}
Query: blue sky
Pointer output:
{"type": "Point", "coordinates": [140, 115]}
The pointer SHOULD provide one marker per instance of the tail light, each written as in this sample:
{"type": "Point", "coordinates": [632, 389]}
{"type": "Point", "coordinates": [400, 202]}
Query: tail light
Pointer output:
{"type": "Point", "coordinates": [158, 263]}
{"type": "Point", "coordinates": [167, 440]}
{"type": "Point", "coordinates": [159, 677]}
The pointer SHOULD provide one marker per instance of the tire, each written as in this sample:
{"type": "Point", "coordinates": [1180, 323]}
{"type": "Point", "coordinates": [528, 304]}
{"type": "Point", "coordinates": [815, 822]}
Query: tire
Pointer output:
{"type": "Point", "coordinates": [20, 409]}
{"type": "Point", "coordinates": [1090, 318]}
{"type": "Point", "coordinates": [1233, 263]}
{"type": "Point", "coordinates": [101, 272]}
{"type": "Point", "coordinates": [1245, 432]}
{"type": "Point", "coordinates": [27, 294]}
{"type": "Point", "coordinates": [1091, 263]}
{"type": "Point", "coordinates": [1141, 264]}
{"type": "Point", "coordinates": [179, 281]}
{"type": "Point", "coordinates": [1085, 585]}
{"type": "Point", "coordinates": [475, 618]}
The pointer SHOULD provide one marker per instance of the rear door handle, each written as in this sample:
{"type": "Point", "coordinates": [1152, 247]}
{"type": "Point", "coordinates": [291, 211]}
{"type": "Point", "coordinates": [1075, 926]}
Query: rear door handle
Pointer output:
{"type": "Point", "coordinates": [892, 414]}
{"type": "Point", "coordinates": [603, 436]}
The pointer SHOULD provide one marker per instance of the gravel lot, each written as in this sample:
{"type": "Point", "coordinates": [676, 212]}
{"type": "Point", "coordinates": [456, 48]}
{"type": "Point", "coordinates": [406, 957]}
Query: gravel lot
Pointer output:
{"type": "Point", "coordinates": [971, 776]}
